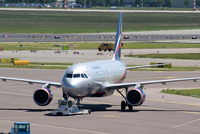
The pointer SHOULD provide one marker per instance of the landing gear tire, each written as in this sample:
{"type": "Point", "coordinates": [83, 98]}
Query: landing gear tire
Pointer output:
{"type": "Point", "coordinates": [130, 107]}
{"type": "Point", "coordinates": [123, 105]}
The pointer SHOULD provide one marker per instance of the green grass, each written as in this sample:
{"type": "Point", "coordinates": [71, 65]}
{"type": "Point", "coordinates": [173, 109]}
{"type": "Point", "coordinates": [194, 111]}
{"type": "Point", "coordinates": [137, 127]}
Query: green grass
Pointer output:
{"type": "Point", "coordinates": [91, 22]}
{"type": "Point", "coordinates": [169, 69]}
{"type": "Point", "coordinates": [121, 8]}
{"type": "Point", "coordinates": [187, 56]}
{"type": "Point", "coordinates": [46, 46]}
{"type": "Point", "coordinates": [63, 66]}
{"type": "Point", "coordinates": [76, 46]}
{"type": "Point", "coordinates": [139, 45]}
{"type": "Point", "coordinates": [51, 63]}
{"type": "Point", "coordinates": [189, 92]}
{"type": "Point", "coordinates": [144, 8]}
{"type": "Point", "coordinates": [37, 65]}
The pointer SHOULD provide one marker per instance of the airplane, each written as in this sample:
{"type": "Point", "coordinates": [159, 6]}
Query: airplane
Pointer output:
{"type": "Point", "coordinates": [98, 79]}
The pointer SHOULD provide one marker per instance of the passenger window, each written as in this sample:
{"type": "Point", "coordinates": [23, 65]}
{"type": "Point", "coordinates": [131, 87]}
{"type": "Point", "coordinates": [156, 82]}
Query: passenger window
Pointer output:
{"type": "Point", "coordinates": [69, 75]}
{"type": "Point", "coordinates": [76, 76]}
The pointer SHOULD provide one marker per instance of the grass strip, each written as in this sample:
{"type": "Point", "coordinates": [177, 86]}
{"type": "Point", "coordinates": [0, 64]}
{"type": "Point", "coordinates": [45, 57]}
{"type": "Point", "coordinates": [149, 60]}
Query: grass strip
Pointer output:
{"type": "Point", "coordinates": [92, 22]}
{"type": "Point", "coordinates": [186, 56]}
{"type": "Point", "coordinates": [79, 46]}
{"type": "Point", "coordinates": [63, 66]}
{"type": "Point", "coordinates": [188, 92]}
{"type": "Point", "coordinates": [37, 65]}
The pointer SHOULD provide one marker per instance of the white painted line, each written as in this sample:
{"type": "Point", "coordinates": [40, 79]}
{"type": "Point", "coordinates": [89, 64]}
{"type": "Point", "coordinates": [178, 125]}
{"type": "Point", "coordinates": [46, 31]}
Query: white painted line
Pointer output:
{"type": "Point", "coordinates": [187, 123]}
{"type": "Point", "coordinates": [65, 128]}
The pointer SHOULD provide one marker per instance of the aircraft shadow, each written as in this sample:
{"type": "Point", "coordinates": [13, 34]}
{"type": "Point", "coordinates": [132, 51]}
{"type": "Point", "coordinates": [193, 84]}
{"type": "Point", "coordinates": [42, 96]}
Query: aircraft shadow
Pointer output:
{"type": "Point", "coordinates": [25, 109]}
{"type": "Point", "coordinates": [99, 108]}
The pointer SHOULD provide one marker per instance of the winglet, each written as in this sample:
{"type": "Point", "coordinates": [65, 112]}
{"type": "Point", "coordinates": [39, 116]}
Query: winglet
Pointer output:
{"type": "Point", "coordinates": [117, 50]}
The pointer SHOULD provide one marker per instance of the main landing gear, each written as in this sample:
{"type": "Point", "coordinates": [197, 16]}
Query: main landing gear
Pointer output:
{"type": "Point", "coordinates": [124, 104]}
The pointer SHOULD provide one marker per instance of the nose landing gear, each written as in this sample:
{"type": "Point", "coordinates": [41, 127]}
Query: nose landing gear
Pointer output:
{"type": "Point", "coordinates": [67, 107]}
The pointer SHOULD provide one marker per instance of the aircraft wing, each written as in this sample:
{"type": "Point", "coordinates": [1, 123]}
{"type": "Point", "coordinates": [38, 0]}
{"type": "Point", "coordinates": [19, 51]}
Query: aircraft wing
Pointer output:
{"type": "Point", "coordinates": [126, 85]}
{"type": "Point", "coordinates": [31, 81]}
{"type": "Point", "coordinates": [143, 66]}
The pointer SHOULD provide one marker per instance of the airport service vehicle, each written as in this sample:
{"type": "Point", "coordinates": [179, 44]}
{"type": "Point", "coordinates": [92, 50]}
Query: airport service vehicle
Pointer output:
{"type": "Point", "coordinates": [98, 79]}
{"type": "Point", "coordinates": [66, 107]}
{"type": "Point", "coordinates": [57, 37]}
{"type": "Point", "coordinates": [20, 128]}
{"type": "Point", "coordinates": [106, 46]}
{"type": "Point", "coordinates": [126, 37]}
{"type": "Point", "coordinates": [194, 37]}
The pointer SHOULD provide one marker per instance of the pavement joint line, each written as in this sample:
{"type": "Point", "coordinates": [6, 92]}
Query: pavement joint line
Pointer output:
{"type": "Point", "coordinates": [109, 116]}
{"type": "Point", "coordinates": [12, 93]}
{"type": "Point", "coordinates": [57, 127]}
{"type": "Point", "coordinates": [116, 94]}
{"type": "Point", "coordinates": [175, 102]}
{"type": "Point", "coordinates": [187, 123]}
{"type": "Point", "coordinates": [155, 108]}
{"type": "Point", "coordinates": [198, 113]}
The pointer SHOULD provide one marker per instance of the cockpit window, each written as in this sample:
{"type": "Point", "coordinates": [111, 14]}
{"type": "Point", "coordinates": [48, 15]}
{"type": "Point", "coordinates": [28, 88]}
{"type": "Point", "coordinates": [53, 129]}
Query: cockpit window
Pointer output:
{"type": "Point", "coordinates": [86, 76]}
{"type": "Point", "coordinates": [76, 76]}
{"type": "Point", "coordinates": [82, 76]}
{"type": "Point", "coordinates": [69, 75]}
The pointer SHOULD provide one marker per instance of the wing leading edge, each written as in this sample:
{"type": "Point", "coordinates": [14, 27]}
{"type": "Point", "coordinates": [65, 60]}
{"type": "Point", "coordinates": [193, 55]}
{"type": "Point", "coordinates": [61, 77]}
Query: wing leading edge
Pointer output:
{"type": "Point", "coordinates": [126, 85]}
{"type": "Point", "coordinates": [31, 81]}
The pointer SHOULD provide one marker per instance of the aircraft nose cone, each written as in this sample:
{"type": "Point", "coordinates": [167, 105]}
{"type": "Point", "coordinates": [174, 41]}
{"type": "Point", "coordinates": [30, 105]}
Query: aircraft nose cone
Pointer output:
{"type": "Point", "coordinates": [75, 88]}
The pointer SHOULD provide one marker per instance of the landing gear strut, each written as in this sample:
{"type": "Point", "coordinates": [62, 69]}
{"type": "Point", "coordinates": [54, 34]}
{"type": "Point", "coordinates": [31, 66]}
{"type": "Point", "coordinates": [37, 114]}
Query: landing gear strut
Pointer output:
{"type": "Point", "coordinates": [65, 96]}
{"type": "Point", "coordinates": [125, 103]}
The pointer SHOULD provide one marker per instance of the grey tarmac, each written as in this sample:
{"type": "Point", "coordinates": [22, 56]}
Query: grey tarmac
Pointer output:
{"type": "Point", "coordinates": [148, 36]}
{"type": "Point", "coordinates": [97, 10]}
{"type": "Point", "coordinates": [160, 113]}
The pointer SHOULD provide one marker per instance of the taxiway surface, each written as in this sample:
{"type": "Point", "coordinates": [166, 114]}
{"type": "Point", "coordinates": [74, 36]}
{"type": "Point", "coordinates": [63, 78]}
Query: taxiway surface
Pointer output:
{"type": "Point", "coordinates": [160, 113]}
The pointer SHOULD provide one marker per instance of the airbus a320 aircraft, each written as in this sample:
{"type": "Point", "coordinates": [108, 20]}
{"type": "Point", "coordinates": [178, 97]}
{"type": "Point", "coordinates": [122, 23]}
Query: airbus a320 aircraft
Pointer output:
{"type": "Point", "coordinates": [97, 79]}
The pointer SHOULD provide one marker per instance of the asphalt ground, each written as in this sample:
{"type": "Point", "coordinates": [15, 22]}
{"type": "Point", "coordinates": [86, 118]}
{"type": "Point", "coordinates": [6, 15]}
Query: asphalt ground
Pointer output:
{"type": "Point", "coordinates": [150, 36]}
{"type": "Point", "coordinates": [161, 113]}
{"type": "Point", "coordinates": [97, 10]}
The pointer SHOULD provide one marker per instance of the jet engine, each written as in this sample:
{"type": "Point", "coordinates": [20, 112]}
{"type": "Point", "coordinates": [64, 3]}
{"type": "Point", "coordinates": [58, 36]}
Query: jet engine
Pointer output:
{"type": "Point", "coordinates": [43, 96]}
{"type": "Point", "coordinates": [136, 96]}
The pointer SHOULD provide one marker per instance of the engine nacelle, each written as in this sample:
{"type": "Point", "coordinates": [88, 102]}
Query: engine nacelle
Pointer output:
{"type": "Point", "coordinates": [43, 96]}
{"type": "Point", "coordinates": [135, 97]}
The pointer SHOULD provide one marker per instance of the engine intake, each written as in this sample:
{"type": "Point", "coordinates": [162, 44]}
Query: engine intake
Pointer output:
{"type": "Point", "coordinates": [42, 96]}
{"type": "Point", "coordinates": [136, 96]}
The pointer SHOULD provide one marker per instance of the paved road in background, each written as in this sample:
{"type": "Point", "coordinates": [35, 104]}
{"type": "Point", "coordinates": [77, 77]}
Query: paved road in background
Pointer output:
{"type": "Point", "coordinates": [99, 37]}
{"type": "Point", "coordinates": [97, 10]}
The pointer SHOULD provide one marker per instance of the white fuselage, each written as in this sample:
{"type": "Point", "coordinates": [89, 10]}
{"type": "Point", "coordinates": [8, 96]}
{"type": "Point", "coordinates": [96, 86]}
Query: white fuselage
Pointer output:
{"type": "Point", "coordinates": [87, 79]}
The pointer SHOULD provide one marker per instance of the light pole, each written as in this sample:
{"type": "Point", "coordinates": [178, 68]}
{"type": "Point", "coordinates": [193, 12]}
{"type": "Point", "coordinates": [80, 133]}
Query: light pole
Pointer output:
{"type": "Point", "coordinates": [142, 3]}
{"type": "Point", "coordinates": [194, 4]}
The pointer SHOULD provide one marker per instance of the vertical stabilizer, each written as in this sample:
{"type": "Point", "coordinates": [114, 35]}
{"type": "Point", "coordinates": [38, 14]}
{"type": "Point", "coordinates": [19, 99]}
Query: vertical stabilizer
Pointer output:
{"type": "Point", "coordinates": [117, 50]}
